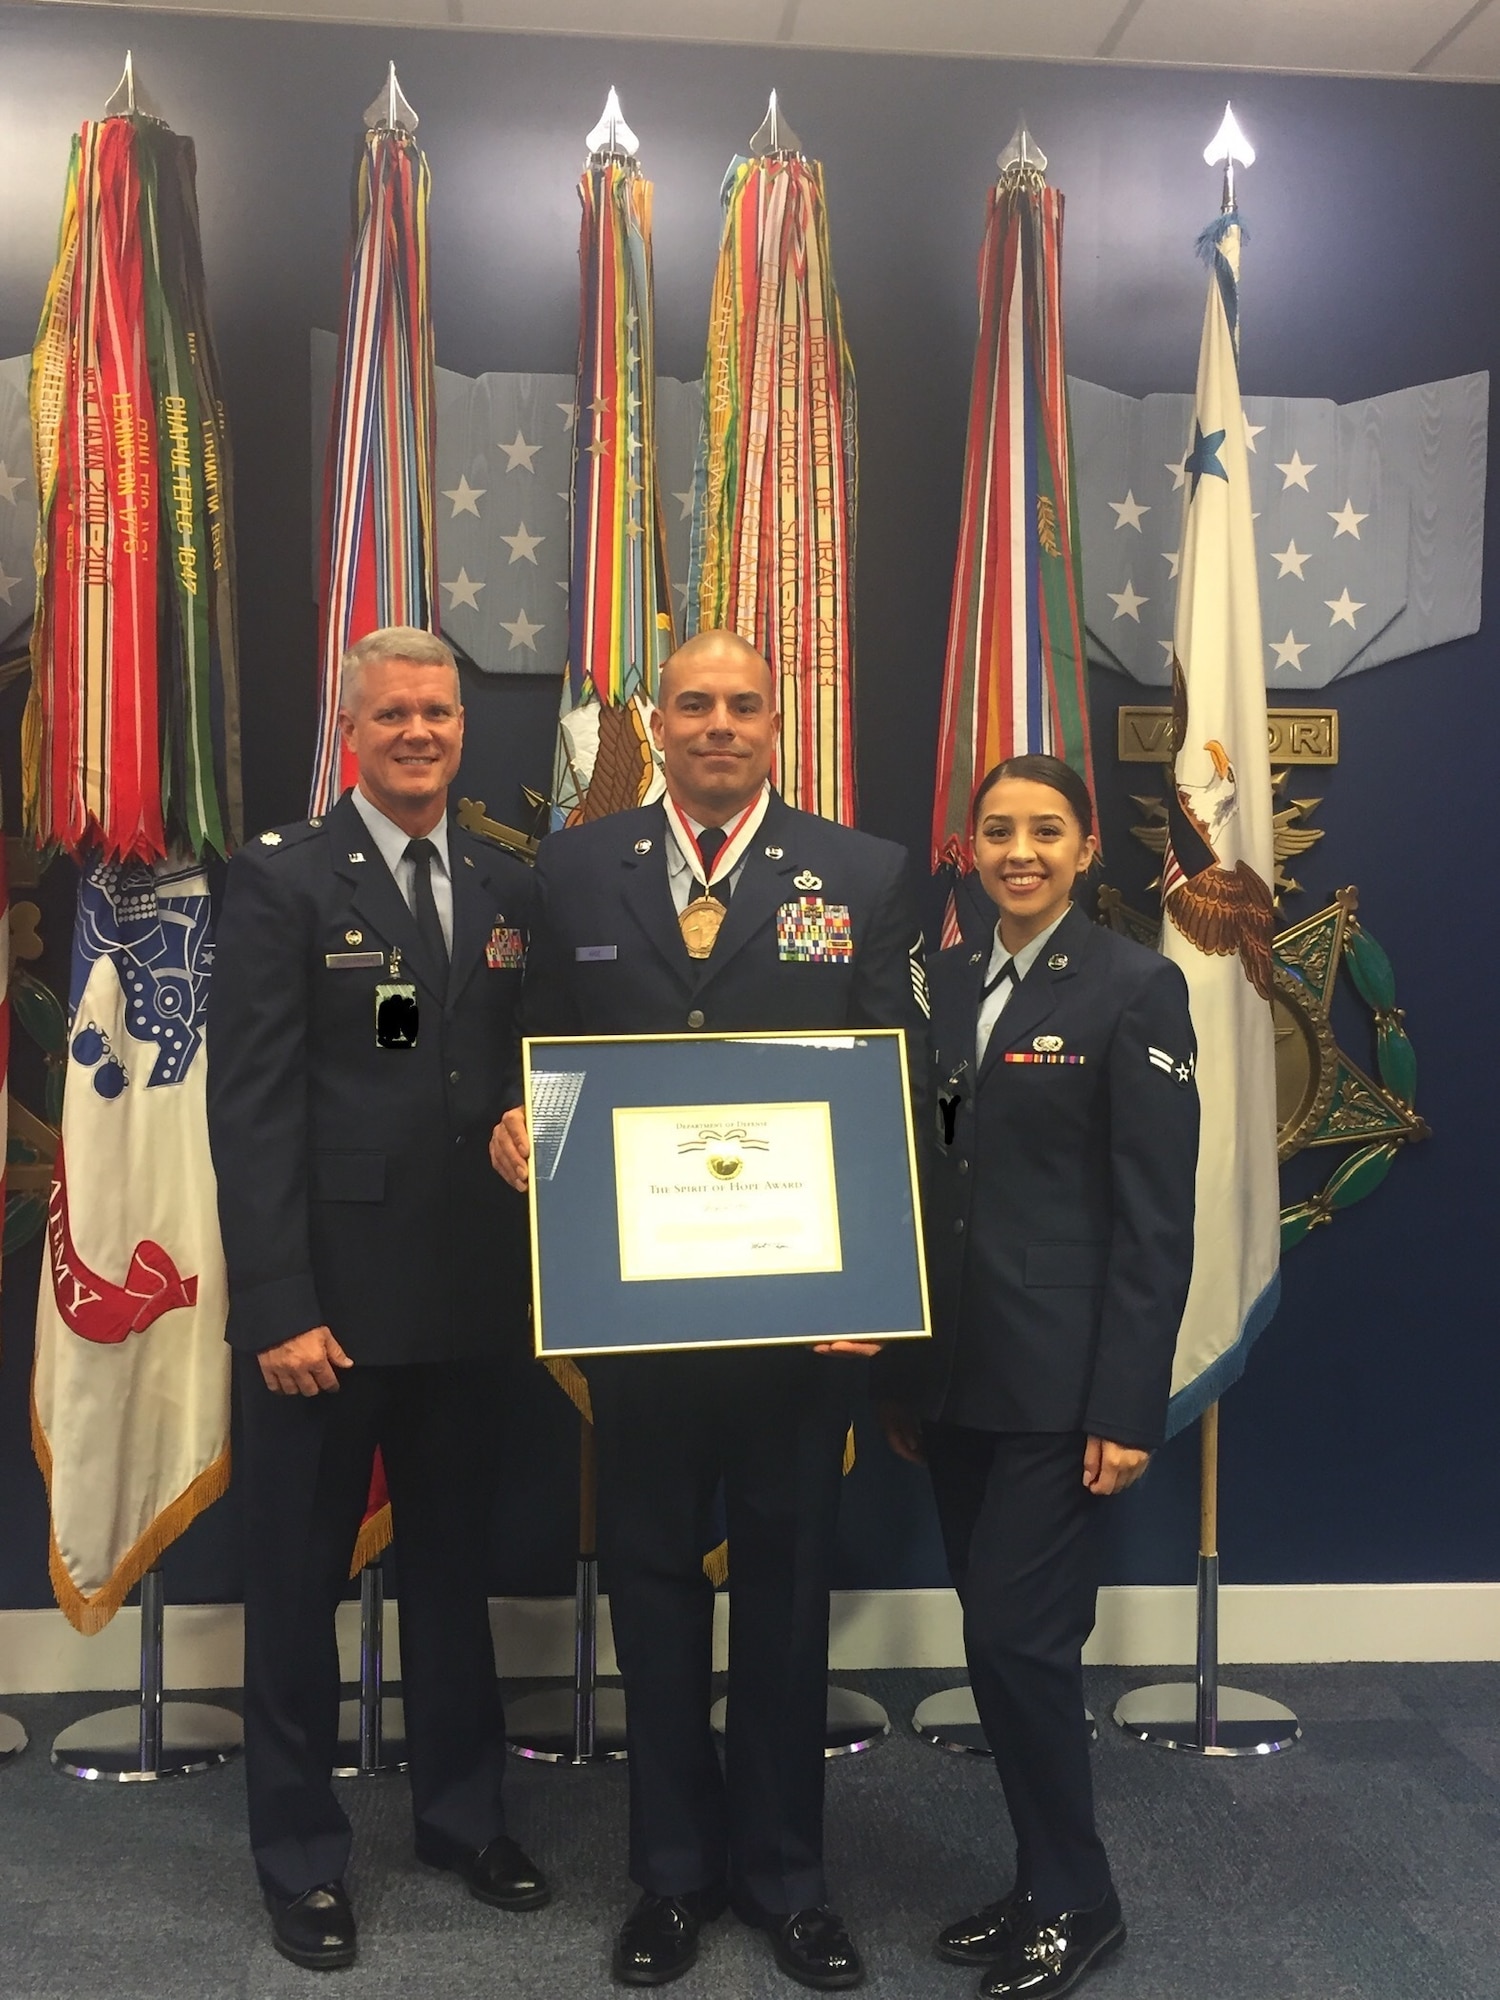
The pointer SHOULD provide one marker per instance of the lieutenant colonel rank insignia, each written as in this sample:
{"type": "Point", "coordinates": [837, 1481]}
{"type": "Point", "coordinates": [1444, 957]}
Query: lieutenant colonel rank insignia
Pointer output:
{"type": "Point", "coordinates": [812, 932]}
{"type": "Point", "coordinates": [506, 950]}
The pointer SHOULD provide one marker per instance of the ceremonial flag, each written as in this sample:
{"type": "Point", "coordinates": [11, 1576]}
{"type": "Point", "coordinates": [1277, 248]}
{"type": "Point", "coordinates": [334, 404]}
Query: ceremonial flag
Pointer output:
{"type": "Point", "coordinates": [379, 562]}
{"type": "Point", "coordinates": [4, 1032]}
{"type": "Point", "coordinates": [1015, 676]}
{"type": "Point", "coordinates": [130, 1395]}
{"type": "Point", "coordinates": [773, 555]}
{"type": "Point", "coordinates": [131, 737]}
{"type": "Point", "coordinates": [1216, 876]}
{"type": "Point", "coordinates": [619, 600]}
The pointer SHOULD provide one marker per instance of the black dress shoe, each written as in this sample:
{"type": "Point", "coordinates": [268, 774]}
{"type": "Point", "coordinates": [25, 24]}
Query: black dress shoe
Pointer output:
{"type": "Point", "coordinates": [1048, 1958]}
{"type": "Point", "coordinates": [658, 1941]}
{"type": "Point", "coordinates": [499, 1873]}
{"type": "Point", "coordinates": [315, 1929]}
{"type": "Point", "coordinates": [984, 1937]}
{"type": "Point", "coordinates": [812, 1946]}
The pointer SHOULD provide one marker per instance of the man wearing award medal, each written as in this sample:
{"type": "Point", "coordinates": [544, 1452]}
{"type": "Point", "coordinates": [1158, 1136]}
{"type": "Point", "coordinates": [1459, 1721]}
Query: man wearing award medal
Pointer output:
{"type": "Point", "coordinates": [721, 909]}
{"type": "Point", "coordinates": [366, 985]}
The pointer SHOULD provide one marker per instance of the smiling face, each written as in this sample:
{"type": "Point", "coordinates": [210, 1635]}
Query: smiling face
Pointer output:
{"type": "Point", "coordinates": [406, 730]}
{"type": "Point", "coordinates": [1029, 850]}
{"type": "Point", "coordinates": [715, 724]}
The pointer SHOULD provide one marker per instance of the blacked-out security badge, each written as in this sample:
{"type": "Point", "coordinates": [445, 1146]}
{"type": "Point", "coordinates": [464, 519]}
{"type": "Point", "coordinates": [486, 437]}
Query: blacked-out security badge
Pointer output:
{"type": "Point", "coordinates": [812, 932]}
{"type": "Point", "coordinates": [397, 1015]}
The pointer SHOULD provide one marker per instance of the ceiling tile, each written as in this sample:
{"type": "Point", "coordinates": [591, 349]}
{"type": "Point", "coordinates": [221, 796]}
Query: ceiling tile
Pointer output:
{"type": "Point", "coordinates": [957, 27]}
{"type": "Point", "coordinates": [684, 20]}
{"type": "Point", "coordinates": [1475, 52]}
{"type": "Point", "coordinates": [1348, 35]}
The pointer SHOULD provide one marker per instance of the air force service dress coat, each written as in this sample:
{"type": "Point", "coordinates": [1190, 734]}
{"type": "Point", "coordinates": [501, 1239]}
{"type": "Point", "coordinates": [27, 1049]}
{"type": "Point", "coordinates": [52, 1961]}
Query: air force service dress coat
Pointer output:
{"type": "Point", "coordinates": [608, 958]}
{"type": "Point", "coordinates": [1060, 1223]}
{"type": "Point", "coordinates": [354, 1181]}
{"type": "Point", "coordinates": [355, 1192]}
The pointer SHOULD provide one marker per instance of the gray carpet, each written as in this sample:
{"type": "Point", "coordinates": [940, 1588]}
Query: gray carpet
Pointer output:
{"type": "Point", "coordinates": [1362, 1865]}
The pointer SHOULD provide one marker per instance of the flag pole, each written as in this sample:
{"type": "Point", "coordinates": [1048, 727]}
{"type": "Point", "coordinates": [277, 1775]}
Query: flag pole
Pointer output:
{"type": "Point", "coordinates": [151, 1737]}
{"type": "Point", "coordinates": [372, 1728]}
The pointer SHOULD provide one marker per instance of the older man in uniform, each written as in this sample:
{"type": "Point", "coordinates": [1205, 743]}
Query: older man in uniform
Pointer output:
{"type": "Point", "coordinates": [679, 917]}
{"type": "Point", "coordinates": [365, 994]}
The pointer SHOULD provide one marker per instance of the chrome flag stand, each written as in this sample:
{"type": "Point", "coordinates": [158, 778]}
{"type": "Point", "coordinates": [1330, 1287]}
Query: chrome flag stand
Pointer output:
{"type": "Point", "coordinates": [372, 1729]}
{"type": "Point", "coordinates": [1199, 1715]}
{"type": "Point", "coordinates": [150, 1738]}
{"type": "Point", "coordinates": [12, 1738]}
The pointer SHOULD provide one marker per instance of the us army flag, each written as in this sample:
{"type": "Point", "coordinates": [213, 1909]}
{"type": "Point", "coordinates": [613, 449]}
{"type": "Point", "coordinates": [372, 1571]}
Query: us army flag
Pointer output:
{"type": "Point", "coordinates": [1219, 866]}
{"type": "Point", "coordinates": [130, 1397]}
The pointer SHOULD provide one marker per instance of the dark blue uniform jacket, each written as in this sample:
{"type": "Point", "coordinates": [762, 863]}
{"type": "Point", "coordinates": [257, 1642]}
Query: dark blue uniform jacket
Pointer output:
{"type": "Point", "coordinates": [1060, 1214]}
{"type": "Point", "coordinates": [355, 1188]}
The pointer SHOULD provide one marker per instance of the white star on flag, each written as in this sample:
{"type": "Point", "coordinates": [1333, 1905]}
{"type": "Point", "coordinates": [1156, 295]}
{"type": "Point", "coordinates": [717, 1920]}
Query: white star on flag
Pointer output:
{"type": "Point", "coordinates": [1291, 559]}
{"type": "Point", "coordinates": [1178, 472]}
{"type": "Point", "coordinates": [685, 501]}
{"type": "Point", "coordinates": [1169, 647]}
{"type": "Point", "coordinates": [519, 452]}
{"type": "Point", "coordinates": [570, 415]}
{"type": "Point", "coordinates": [9, 481]}
{"type": "Point", "coordinates": [1294, 472]}
{"type": "Point", "coordinates": [522, 632]}
{"type": "Point", "coordinates": [1252, 432]}
{"type": "Point", "coordinates": [523, 547]}
{"type": "Point", "coordinates": [1127, 602]}
{"type": "Point", "coordinates": [1288, 652]}
{"type": "Point", "coordinates": [7, 583]}
{"type": "Point", "coordinates": [1346, 521]}
{"type": "Point", "coordinates": [465, 497]}
{"type": "Point", "coordinates": [463, 590]}
{"type": "Point", "coordinates": [682, 592]}
{"type": "Point", "coordinates": [1128, 511]}
{"type": "Point", "coordinates": [1173, 559]}
{"type": "Point", "coordinates": [1343, 609]}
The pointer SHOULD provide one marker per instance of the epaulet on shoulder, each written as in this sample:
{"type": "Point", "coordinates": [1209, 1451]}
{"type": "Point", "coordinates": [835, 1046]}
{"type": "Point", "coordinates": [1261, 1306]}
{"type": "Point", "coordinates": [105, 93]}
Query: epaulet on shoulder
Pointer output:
{"type": "Point", "coordinates": [276, 838]}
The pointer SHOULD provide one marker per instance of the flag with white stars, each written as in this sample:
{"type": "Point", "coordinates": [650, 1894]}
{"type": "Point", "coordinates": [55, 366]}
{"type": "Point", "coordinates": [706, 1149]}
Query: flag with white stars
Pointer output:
{"type": "Point", "coordinates": [1218, 867]}
{"type": "Point", "coordinates": [1369, 524]}
{"type": "Point", "coordinates": [17, 503]}
{"type": "Point", "coordinates": [504, 460]}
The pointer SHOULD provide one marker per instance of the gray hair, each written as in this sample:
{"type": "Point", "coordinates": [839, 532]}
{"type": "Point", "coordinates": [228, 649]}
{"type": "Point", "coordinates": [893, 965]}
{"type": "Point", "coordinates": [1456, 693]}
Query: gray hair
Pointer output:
{"type": "Point", "coordinates": [392, 642]}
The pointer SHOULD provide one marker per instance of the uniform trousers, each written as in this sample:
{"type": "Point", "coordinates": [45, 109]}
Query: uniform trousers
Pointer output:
{"type": "Point", "coordinates": [305, 1472]}
{"type": "Point", "coordinates": [1022, 1534]}
{"type": "Point", "coordinates": [770, 1425]}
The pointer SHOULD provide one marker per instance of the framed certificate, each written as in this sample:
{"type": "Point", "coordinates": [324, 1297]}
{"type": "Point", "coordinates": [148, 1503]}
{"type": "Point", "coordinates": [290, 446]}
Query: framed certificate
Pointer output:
{"type": "Point", "coordinates": [722, 1191]}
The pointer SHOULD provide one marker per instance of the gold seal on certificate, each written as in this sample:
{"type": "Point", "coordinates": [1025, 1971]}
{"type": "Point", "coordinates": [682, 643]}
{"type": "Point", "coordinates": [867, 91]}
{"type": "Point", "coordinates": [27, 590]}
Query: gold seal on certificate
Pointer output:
{"type": "Point", "coordinates": [699, 924]}
{"type": "Point", "coordinates": [726, 1191]}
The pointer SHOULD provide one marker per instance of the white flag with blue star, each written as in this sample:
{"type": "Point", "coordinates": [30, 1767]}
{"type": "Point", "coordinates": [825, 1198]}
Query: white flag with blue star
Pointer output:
{"type": "Point", "coordinates": [1218, 869]}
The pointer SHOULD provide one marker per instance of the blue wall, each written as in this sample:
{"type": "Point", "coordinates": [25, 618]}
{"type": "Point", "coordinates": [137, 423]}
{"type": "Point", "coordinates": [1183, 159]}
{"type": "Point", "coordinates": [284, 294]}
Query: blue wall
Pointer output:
{"type": "Point", "coordinates": [1358, 1446]}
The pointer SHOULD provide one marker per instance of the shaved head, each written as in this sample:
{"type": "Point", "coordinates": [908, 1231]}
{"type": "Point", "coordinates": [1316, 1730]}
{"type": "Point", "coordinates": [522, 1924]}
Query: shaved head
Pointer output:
{"type": "Point", "coordinates": [711, 648]}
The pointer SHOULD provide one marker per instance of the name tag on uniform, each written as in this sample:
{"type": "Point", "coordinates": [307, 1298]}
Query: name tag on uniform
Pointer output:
{"type": "Point", "coordinates": [595, 954]}
{"type": "Point", "coordinates": [812, 932]}
{"type": "Point", "coordinates": [352, 961]}
{"type": "Point", "coordinates": [506, 950]}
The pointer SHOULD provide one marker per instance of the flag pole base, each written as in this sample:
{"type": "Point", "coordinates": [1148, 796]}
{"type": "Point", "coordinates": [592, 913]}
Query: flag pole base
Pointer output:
{"type": "Point", "coordinates": [352, 1758]}
{"type": "Point", "coordinates": [854, 1722]}
{"type": "Point", "coordinates": [542, 1726]}
{"type": "Point", "coordinates": [950, 1721]}
{"type": "Point", "coordinates": [194, 1736]}
{"type": "Point", "coordinates": [1246, 1725]}
{"type": "Point", "coordinates": [12, 1738]}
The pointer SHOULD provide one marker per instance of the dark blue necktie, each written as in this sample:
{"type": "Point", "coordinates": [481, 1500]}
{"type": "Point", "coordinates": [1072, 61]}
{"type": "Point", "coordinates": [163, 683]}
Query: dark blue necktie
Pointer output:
{"type": "Point", "coordinates": [421, 854]}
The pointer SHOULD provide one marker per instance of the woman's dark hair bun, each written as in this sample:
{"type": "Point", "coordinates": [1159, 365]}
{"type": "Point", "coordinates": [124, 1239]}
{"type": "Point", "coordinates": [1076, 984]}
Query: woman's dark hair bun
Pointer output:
{"type": "Point", "coordinates": [1041, 770]}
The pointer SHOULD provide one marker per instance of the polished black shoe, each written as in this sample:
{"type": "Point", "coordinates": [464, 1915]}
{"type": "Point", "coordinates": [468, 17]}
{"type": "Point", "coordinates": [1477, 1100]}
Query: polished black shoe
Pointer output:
{"type": "Point", "coordinates": [1048, 1958]}
{"type": "Point", "coordinates": [984, 1937]}
{"type": "Point", "coordinates": [658, 1941]}
{"type": "Point", "coordinates": [499, 1873]}
{"type": "Point", "coordinates": [315, 1929]}
{"type": "Point", "coordinates": [812, 1946]}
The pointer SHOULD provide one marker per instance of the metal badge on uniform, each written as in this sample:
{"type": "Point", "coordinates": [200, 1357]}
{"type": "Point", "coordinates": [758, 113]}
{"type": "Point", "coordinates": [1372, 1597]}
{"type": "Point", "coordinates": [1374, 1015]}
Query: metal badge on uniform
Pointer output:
{"type": "Point", "coordinates": [807, 880]}
{"type": "Point", "coordinates": [812, 932]}
{"type": "Point", "coordinates": [1047, 1045]}
{"type": "Point", "coordinates": [1058, 962]}
{"type": "Point", "coordinates": [643, 847]}
{"type": "Point", "coordinates": [397, 1015]}
{"type": "Point", "coordinates": [595, 954]}
{"type": "Point", "coordinates": [506, 950]}
{"type": "Point", "coordinates": [270, 840]}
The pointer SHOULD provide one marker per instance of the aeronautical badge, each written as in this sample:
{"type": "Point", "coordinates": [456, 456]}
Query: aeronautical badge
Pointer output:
{"type": "Point", "coordinates": [807, 880]}
{"type": "Point", "coordinates": [812, 932]}
{"type": "Point", "coordinates": [270, 840]}
{"type": "Point", "coordinates": [1047, 1045]}
{"type": "Point", "coordinates": [506, 950]}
